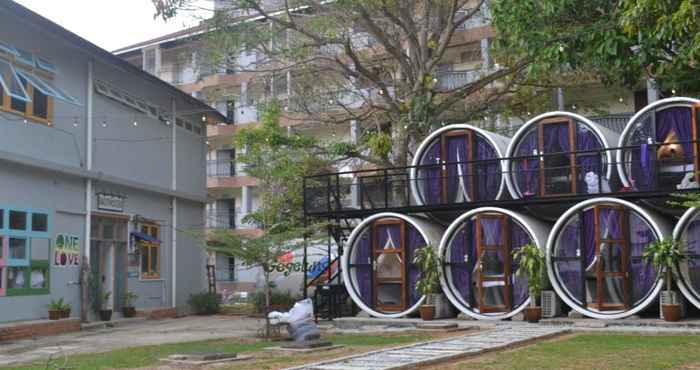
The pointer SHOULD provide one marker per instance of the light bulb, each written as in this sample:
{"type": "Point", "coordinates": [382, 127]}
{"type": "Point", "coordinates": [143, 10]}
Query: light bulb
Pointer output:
{"type": "Point", "coordinates": [136, 123]}
{"type": "Point", "coordinates": [204, 118]}
{"type": "Point", "coordinates": [104, 123]}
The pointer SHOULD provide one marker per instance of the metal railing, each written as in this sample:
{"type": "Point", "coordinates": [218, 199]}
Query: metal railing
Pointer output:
{"type": "Point", "coordinates": [221, 168]}
{"type": "Point", "coordinates": [221, 219]}
{"type": "Point", "coordinates": [451, 80]}
{"type": "Point", "coordinates": [538, 178]}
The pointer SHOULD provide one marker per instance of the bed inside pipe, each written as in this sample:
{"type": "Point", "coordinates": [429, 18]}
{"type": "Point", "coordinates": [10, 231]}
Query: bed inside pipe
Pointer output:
{"type": "Point", "coordinates": [594, 257]}
{"type": "Point", "coordinates": [559, 154]}
{"type": "Point", "coordinates": [458, 163]}
{"type": "Point", "coordinates": [659, 152]}
{"type": "Point", "coordinates": [687, 231]}
{"type": "Point", "coordinates": [377, 264]}
{"type": "Point", "coordinates": [479, 270]}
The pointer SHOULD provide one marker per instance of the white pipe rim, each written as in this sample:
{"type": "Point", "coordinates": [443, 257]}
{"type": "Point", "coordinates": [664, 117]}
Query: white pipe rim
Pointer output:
{"type": "Point", "coordinates": [678, 231]}
{"type": "Point", "coordinates": [448, 287]}
{"type": "Point", "coordinates": [554, 280]}
{"type": "Point", "coordinates": [619, 155]}
{"type": "Point", "coordinates": [345, 264]}
{"type": "Point", "coordinates": [510, 182]}
{"type": "Point", "coordinates": [428, 140]}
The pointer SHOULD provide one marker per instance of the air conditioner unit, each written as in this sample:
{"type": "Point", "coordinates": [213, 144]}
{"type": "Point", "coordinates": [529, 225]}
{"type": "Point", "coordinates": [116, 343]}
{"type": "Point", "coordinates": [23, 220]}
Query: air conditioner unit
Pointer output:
{"type": "Point", "coordinates": [551, 307]}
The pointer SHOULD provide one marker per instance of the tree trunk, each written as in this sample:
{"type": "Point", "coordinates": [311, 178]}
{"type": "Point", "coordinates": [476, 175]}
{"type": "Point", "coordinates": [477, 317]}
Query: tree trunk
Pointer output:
{"type": "Point", "coordinates": [268, 294]}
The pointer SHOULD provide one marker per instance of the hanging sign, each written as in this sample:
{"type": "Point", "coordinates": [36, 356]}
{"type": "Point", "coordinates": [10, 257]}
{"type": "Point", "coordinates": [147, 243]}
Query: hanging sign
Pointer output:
{"type": "Point", "coordinates": [67, 251]}
{"type": "Point", "coordinates": [110, 202]}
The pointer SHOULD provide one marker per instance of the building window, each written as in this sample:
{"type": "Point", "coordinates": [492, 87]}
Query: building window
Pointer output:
{"type": "Point", "coordinates": [25, 251]}
{"type": "Point", "coordinates": [150, 253]}
{"type": "Point", "coordinates": [471, 53]}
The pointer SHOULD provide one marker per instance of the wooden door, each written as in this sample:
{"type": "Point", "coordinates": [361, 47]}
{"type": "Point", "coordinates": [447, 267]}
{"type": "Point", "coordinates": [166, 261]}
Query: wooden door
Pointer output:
{"type": "Point", "coordinates": [557, 167]}
{"type": "Point", "coordinates": [494, 263]}
{"type": "Point", "coordinates": [389, 272]}
{"type": "Point", "coordinates": [468, 156]}
{"type": "Point", "coordinates": [612, 253]}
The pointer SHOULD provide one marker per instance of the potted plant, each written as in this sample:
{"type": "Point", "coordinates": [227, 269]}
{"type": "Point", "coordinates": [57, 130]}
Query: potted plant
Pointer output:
{"type": "Point", "coordinates": [531, 265]}
{"type": "Point", "coordinates": [429, 283]}
{"type": "Point", "coordinates": [65, 310]}
{"type": "Point", "coordinates": [129, 310]}
{"type": "Point", "coordinates": [105, 312]}
{"type": "Point", "coordinates": [664, 255]}
{"type": "Point", "coordinates": [55, 307]}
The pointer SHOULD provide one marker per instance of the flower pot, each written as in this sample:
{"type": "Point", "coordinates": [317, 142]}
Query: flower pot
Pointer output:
{"type": "Point", "coordinates": [54, 314]}
{"type": "Point", "coordinates": [672, 312]}
{"type": "Point", "coordinates": [65, 314]}
{"type": "Point", "coordinates": [533, 314]}
{"type": "Point", "coordinates": [129, 312]}
{"type": "Point", "coordinates": [105, 315]}
{"type": "Point", "coordinates": [427, 312]}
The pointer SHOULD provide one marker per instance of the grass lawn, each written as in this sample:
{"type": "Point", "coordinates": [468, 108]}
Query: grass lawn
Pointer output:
{"type": "Point", "coordinates": [148, 356]}
{"type": "Point", "coordinates": [594, 351]}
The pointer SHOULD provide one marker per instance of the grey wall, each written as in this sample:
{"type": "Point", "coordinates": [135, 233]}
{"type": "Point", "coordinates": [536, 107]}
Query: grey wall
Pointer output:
{"type": "Point", "coordinates": [191, 258]}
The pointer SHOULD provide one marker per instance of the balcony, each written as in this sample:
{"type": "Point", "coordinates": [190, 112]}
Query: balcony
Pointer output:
{"type": "Point", "coordinates": [451, 80]}
{"type": "Point", "coordinates": [225, 219]}
{"type": "Point", "coordinates": [221, 168]}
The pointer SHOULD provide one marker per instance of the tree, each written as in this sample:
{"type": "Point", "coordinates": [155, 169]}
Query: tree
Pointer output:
{"type": "Point", "coordinates": [279, 162]}
{"type": "Point", "coordinates": [375, 62]}
{"type": "Point", "coordinates": [618, 42]}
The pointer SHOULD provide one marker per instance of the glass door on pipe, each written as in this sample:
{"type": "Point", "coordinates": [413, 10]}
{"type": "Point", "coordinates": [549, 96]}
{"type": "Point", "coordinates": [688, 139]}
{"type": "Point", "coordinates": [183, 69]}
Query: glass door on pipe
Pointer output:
{"type": "Point", "coordinates": [494, 264]}
{"type": "Point", "coordinates": [457, 151]}
{"type": "Point", "coordinates": [558, 169]}
{"type": "Point", "coordinates": [696, 144]}
{"type": "Point", "coordinates": [612, 260]}
{"type": "Point", "coordinates": [390, 265]}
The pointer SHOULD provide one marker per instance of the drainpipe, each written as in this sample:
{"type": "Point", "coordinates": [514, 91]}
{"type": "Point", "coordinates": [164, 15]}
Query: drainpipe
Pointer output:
{"type": "Point", "coordinates": [173, 207]}
{"type": "Point", "coordinates": [85, 267]}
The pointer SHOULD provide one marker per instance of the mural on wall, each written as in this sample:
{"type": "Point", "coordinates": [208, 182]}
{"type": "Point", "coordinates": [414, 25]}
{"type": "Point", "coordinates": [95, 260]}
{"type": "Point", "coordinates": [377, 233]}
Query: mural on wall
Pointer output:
{"type": "Point", "coordinates": [67, 251]}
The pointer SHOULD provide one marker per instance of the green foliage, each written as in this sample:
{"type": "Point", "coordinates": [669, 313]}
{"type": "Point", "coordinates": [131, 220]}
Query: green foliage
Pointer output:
{"type": "Point", "coordinates": [531, 265]}
{"type": "Point", "coordinates": [664, 255]}
{"type": "Point", "coordinates": [619, 41]}
{"type": "Point", "coordinates": [379, 143]}
{"type": "Point", "coordinates": [205, 303]}
{"type": "Point", "coordinates": [56, 305]}
{"type": "Point", "coordinates": [276, 298]}
{"type": "Point", "coordinates": [130, 298]}
{"type": "Point", "coordinates": [105, 299]}
{"type": "Point", "coordinates": [429, 264]}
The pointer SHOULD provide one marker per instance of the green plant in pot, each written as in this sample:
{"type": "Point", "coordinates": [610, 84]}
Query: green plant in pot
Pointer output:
{"type": "Point", "coordinates": [428, 284]}
{"type": "Point", "coordinates": [55, 308]}
{"type": "Point", "coordinates": [531, 265]}
{"type": "Point", "coordinates": [665, 255]}
{"type": "Point", "coordinates": [129, 310]}
{"type": "Point", "coordinates": [65, 310]}
{"type": "Point", "coordinates": [105, 311]}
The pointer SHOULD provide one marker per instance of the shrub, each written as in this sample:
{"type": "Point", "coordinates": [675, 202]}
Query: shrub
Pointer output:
{"type": "Point", "coordinates": [276, 298]}
{"type": "Point", "coordinates": [205, 303]}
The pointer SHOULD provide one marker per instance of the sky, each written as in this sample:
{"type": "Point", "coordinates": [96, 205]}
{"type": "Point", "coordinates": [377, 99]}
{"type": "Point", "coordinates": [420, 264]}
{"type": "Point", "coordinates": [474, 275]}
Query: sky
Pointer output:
{"type": "Point", "coordinates": [110, 24]}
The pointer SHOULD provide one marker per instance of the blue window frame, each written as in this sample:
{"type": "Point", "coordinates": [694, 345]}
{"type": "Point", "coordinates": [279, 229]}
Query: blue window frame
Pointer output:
{"type": "Point", "coordinates": [9, 49]}
{"type": "Point", "coordinates": [45, 65]}
{"type": "Point", "coordinates": [10, 82]}
{"type": "Point", "coordinates": [47, 88]}
{"type": "Point", "coordinates": [25, 57]}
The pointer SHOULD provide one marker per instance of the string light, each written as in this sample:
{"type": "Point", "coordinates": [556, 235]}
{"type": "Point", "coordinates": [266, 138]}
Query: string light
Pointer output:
{"type": "Point", "coordinates": [673, 91]}
{"type": "Point", "coordinates": [167, 122]}
{"type": "Point", "coordinates": [204, 118]}
{"type": "Point", "coordinates": [136, 123]}
{"type": "Point", "coordinates": [75, 122]}
{"type": "Point", "coordinates": [104, 123]}
{"type": "Point", "coordinates": [573, 107]}
{"type": "Point", "coordinates": [621, 100]}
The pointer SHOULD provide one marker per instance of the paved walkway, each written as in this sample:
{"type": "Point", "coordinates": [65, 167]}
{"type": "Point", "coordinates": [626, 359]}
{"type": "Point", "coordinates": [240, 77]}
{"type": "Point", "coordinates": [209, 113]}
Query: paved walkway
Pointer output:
{"type": "Point", "coordinates": [502, 336]}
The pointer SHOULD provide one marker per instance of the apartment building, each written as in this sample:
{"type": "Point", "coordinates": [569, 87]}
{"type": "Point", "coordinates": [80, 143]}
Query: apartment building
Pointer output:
{"type": "Point", "coordinates": [175, 59]}
{"type": "Point", "coordinates": [101, 163]}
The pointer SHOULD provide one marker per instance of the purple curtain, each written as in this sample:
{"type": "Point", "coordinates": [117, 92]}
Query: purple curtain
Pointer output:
{"type": "Point", "coordinates": [588, 162]}
{"type": "Point", "coordinates": [457, 151]}
{"type": "Point", "coordinates": [556, 138]}
{"type": "Point", "coordinates": [519, 237]}
{"type": "Point", "coordinates": [363, 267]}
{"type": "Point", "coordinates": [431, 174]}
{"type": "Point", "coordinates": [414, 240]}
{"type": "Point", "coordinates": [462, 246]}
{"type": "Point", "coordinates": [643, 274]}
{"type": "Point", "coordinates": [570, 270]}
{"type": "Point", "coordinates": [589, 238]}
{"type": "Point", "coordinates": [609, 223]}
{"type": "Point", "coordinates": [526, 171]}
{"type": "Point", "coordinates": [488, 173]}
{"type": "Point", "coordinates": [692, 249]}
{"type": "Point", "coordinates": [678, 119]}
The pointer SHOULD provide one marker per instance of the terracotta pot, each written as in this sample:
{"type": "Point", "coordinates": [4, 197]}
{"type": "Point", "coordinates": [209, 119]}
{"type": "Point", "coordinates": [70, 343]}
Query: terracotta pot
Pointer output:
{"type": "Point", "coordinates": [65, 314]}
{"type": "Point", "coordinates": [427, 312]}
{"type": "Point", "coordinates": [54, 314]}
{"type": "Point", "coordinates": [672, 312]}
{"type": "Point", "coordinates": [105, 315]}
{"type": "Point", "coordinates": [533, 314]}
{"type": "Point", "coordinates": [129, 312]}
